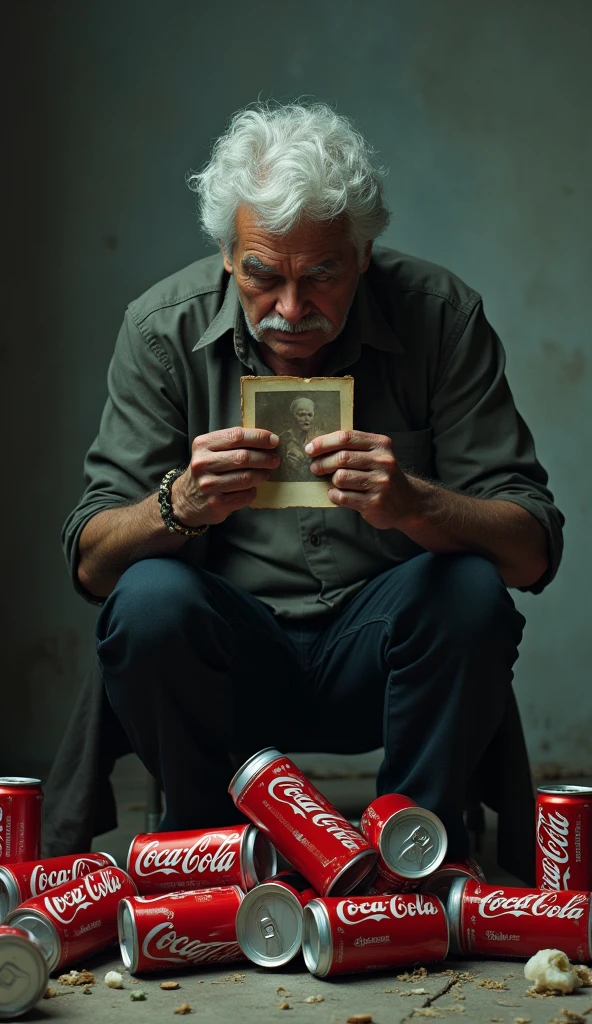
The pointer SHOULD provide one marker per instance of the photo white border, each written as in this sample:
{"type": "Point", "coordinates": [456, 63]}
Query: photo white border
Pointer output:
{"type": "Point", "coordinates": [287, 493]}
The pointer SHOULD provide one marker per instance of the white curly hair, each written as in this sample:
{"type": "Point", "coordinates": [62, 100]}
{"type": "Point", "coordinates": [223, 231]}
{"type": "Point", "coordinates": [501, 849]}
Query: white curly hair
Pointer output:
{"type": "Point", "coordinates": [288, 162]}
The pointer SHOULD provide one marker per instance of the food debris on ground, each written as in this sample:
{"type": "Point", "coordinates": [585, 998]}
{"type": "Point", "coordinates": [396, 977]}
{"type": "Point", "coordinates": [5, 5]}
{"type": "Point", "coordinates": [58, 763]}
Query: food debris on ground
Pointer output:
{"type": "Point", "coordinates": [77, 978]}
{"type": "Point", "coordinates": [169, 985]}
{"type": "Point", "coordinates": [522, 1020]}
{"type": "Point", "coordinates": [284, 1006]}
{"type": "Point", "coordinates": [50, 993]}
{"type": "Point", "coordinates": [551, 969]}
{"type": "Point", "coordinates": [491, 983]}
{"type": "Point", "coordinates": [360, 1018]}
{"type": "Point", "coordinates": [314, 999]}
{"type": "Point", "coordinates": [569, 1015]}
{"type": "Point", "coordinates": [425, 1011]}
{"type": "Point", "coordinates": [138, 997]}
{"type": "Point", "coordinates": [183, 1008]}
{"type": "Point", "coordinates": [415, 976]}
{"type": "Point", "coordinates": [113, 979]}
{"type": "Point", "coordinates": [87, 990]}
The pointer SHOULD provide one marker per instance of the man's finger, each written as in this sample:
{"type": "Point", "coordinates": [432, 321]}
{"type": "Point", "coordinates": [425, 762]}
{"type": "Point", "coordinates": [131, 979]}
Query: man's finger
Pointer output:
{"type": "Point", "coordinates": [237, 437]}
{"type": "Point", "coordinates": [226, 483]}
{"type": "Point", "coordinates": [353, 439]}
{"type": "Point", "coordinates": [343, 459]}
{"type": "Point", "coordinates": [233, 459]}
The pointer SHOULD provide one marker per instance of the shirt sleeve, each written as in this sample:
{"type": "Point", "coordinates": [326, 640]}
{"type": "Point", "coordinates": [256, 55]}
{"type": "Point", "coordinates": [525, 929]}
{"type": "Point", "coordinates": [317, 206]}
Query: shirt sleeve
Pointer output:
{"type": "Point", "coordinates": [482, 446]}
{"type": "Point", "coordinates": [143, 433]}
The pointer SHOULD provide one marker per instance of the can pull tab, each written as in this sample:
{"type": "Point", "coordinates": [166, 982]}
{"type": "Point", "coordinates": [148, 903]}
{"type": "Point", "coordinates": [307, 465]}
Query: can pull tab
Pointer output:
{"type": "Point", "coordinates": [416, 847]}
{"type": "Point", "coordinates": [269, 931]}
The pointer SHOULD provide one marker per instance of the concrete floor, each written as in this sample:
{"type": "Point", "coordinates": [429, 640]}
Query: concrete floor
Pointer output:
{"type": "Point", "coordinates": [243, 992]}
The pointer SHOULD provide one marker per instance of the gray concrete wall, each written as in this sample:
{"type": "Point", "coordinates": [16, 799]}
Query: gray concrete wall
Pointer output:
{"type": "Point", "coordinates": [482, 112]}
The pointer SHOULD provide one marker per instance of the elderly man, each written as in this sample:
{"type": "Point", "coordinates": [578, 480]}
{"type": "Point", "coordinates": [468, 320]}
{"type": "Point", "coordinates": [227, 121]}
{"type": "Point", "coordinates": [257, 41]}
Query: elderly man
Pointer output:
{"type": "Point", "coordinates": [385, 621]}
{"type": "Point", "coordinates": [295, 463]}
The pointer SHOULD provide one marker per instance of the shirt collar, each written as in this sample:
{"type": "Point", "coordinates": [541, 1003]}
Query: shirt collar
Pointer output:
{"type": "Point", "coordinates": [366, 325]}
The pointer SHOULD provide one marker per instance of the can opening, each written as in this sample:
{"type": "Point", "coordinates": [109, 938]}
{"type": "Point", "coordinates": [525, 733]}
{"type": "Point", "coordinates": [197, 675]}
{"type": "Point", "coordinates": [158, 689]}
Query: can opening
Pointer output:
{"type": "Point", "coordinates": [125, 927]}
{"type": "Point", "coordinates": [42, 931]}
{"type": "Point", "coordinates": [264, 858]}
{"type": "Point", "coordinates": [4, 901]}
{"type": "Point", "coordinates": [353, 873]}
{"type": "Point", "coordinates": [311, 940]}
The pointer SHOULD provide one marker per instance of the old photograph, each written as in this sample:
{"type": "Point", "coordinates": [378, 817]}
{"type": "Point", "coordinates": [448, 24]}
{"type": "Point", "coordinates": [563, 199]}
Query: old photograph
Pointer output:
{"type": "Point", "coordinates": [297, 410]}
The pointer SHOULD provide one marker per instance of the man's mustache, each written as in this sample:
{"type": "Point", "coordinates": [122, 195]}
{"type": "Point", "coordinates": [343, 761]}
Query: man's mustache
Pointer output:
{"type": "Point", "coordinates": [313, 322]}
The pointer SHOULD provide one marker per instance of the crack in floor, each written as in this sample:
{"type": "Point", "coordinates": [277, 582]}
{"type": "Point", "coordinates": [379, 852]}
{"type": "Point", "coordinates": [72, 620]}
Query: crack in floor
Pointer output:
{"type": "Point", "coordinates": [452, 980]}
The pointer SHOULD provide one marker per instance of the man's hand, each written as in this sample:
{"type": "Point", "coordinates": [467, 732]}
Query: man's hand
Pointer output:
{"type": "Point", "coordinates": [365, 475]}
{"type": "Point", "coordinates": [226, 467]}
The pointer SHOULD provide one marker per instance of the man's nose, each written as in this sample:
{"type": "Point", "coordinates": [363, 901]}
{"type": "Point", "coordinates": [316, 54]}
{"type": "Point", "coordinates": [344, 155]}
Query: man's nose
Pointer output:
{"type": "Point", "coordinates": [291, 304]}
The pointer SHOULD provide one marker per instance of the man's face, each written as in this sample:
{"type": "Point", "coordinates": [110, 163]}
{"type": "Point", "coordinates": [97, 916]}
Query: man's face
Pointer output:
{"type": "Point", "coordinates": [304, 413]}
{"type": "Point", "coordinates": [295, 289]}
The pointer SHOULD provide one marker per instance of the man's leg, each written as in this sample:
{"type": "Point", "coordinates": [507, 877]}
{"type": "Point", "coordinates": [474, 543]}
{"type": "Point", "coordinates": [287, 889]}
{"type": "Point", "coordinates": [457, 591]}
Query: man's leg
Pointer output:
{"type": "Point", "coordinates": [421, 661]}
{"type": "Point", "coordinates": [196, 670]}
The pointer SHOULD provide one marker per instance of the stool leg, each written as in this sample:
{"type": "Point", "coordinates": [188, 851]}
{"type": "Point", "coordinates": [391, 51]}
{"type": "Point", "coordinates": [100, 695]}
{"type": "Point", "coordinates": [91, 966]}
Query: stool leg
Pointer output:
{"type": "Point", "coordinates": [153, 805]}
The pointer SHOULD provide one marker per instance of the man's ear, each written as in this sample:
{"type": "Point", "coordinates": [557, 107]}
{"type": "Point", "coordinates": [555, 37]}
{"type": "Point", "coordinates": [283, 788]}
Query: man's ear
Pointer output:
{"type": "Point", "coordinates": [366, 258]}
{"type": "Point", "coordinates": [227, 260]}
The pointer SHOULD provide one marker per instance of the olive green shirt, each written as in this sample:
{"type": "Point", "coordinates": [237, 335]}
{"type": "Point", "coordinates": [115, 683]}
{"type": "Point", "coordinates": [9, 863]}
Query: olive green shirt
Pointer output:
{"type": "Point", "coordinates": [429, 372]}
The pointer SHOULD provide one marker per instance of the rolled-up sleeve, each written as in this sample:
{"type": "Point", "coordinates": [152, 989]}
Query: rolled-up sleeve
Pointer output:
{"type": "Point", "coordinates": [482, 446]}
{"type": "Point", "coordinates": [143, 433]}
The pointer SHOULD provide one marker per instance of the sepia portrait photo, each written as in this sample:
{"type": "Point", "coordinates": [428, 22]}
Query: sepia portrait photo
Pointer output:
{"type": "Point", "coordinates": [297, 410]}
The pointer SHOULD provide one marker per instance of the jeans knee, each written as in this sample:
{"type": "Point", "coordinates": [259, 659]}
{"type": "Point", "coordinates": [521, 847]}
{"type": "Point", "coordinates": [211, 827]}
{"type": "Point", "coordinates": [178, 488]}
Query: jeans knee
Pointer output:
{"type": "Point", "coordinates": [147, 607]}
{"type": "Point", "coordinates": [469, 600]}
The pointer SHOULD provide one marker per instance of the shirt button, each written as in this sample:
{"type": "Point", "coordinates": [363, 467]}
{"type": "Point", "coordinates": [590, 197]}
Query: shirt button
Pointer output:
{"type": "Point", "coordinates": [315, 540]}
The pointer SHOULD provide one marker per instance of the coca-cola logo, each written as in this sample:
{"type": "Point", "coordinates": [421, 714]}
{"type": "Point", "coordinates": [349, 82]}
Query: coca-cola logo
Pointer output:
{"type": "Point", "coordinates": [399, 906]}
{"type": "Point", "coordinates": [163, 943]}
{"type": "Point", "coordinates": [535, 904]}
{"type": "Point", "coordinates": [42, 879]}
{"type": "Point", "coordinates": [155, 859]}
{"type": "Point", "coordinates": [94, 888]}
{"type": "Point", "coordinates": [288, 790]}
{"type": "Point", "coordinates": [553, 842]}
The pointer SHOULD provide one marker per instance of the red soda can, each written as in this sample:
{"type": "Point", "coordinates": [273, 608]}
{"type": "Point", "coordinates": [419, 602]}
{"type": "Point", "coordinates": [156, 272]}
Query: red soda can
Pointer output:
{"type": "Point", "coordinates": [269, 920]}
{"type": "Point", "coordinates": [342, 936]}
{"type": "Point", "coordinates": [204, 859]}
{"type": "Point", "coordinates": [77, 918]}
{"type": "Point", "coordinates": [23, 972]}
{"type": "Point", "coordinates": [411, 841]}
{"type": "Point", "coordinates": [564, 837]}
{"type": "Point", "coordinates": [184, 929]}
{"type": "Point", "coordinates": [439, 883]}
{"type": "Point", "coordinates": [21, 801]}
{"type": "Point", "coordinates": [21, 882]}
{"type": "Point", "coordinates": [499, 921]}
{"type": "Point", "coordinates": [310, 833]}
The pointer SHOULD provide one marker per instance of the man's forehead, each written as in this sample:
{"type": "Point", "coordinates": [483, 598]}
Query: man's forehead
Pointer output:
{"type": "Point", "coordinates": [303, 401]}
{"type": "Point", "coordinates": [315, 243]}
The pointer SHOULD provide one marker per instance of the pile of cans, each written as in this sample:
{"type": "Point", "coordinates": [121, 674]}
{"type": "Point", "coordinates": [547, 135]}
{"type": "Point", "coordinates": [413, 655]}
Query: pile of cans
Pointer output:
{"type": "Point", "coordinates": [365, 899]}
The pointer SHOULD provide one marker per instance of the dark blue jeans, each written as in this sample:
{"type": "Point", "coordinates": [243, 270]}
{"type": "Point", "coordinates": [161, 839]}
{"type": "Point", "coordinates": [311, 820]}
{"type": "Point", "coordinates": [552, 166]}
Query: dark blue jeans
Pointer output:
{"type": "Point", "coordinates": [201, 675]}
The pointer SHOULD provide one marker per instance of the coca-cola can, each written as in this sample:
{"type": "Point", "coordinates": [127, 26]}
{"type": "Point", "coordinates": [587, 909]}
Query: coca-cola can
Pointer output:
{"type": "Point", "coordinates": [203, 859]}
{"type": "Point", "coordinates": [306, 829]}
{"type": "Point", "coordinates": [21, 802]}
{"type": "Point", "coordinates": [23, 972]}
{"type": "Point", "coordinates": [269, 920]}
{"type": "Point", "coordinates": [501, 921]}
{"type": "Point", "coordinates": [77, 918]}
{"type": "Point", "coordinates": [21, 882]}
{"type": "Point", "coordinates": [184, 929]}
{"type": "Point", "coordinates": [564, 837]}
{"type": "Point", "coordinates": [343, 936]}
{"type": "Point", "coordinates": [411, 841]}
{"type": "Point", "coordinates": [439, 883]}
